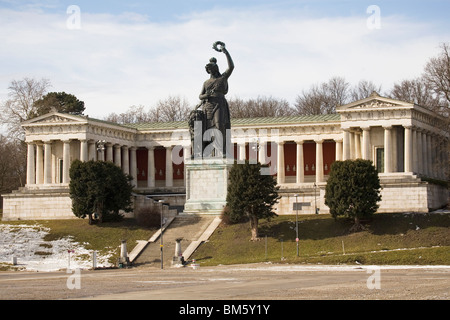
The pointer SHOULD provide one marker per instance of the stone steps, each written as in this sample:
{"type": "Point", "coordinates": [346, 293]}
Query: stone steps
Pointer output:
{"type": "Point", "coordinates": [189, 228]}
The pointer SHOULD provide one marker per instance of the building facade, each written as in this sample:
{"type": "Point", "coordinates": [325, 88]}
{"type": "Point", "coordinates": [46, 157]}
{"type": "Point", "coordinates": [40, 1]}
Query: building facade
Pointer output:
{"type": "Point", "coordinates": [403, 140]}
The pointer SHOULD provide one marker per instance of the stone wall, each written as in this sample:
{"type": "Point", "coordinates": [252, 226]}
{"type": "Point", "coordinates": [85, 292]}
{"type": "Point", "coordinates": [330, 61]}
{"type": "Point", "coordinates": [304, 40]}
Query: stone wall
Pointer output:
{"type": "Point", "coordinates": [37, 205]}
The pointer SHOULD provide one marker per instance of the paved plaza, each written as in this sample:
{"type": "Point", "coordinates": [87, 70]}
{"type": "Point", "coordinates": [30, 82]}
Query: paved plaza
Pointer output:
{"type": "Point", "coordinates": [236, 282]}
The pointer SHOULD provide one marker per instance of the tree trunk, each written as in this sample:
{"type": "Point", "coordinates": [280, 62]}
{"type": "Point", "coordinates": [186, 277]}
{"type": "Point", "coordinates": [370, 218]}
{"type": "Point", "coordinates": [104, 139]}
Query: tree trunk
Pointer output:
{"type": "Point", "coordinates": [254, 227]}
{"type": "Point", "coordinates": [357, 226]}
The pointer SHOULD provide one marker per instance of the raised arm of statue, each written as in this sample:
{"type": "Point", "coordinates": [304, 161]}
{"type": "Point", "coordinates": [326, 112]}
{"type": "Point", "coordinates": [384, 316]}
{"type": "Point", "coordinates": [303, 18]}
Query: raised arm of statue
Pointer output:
{"type": "Point", "coordinates": [220, 47]}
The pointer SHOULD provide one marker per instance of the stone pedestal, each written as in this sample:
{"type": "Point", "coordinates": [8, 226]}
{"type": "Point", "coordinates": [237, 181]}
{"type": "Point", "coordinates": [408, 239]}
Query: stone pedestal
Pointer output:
{"type": "Point", "coordinates": [206, 185]}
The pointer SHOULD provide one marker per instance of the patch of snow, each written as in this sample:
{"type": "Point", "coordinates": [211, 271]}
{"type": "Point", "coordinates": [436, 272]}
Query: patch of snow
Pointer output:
{"type": "Point", "coordinates": [26, 244]}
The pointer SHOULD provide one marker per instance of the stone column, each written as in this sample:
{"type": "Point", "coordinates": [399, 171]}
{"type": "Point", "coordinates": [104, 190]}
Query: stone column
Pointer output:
{"type": "Point", "coordinates": [31, 166]}
{"type": "Point", "coordinates": [84, 152]}
{"type": "Point", "coordinates": [352, 145]}
{"type": "Point", "coordinates": [262, 152]}
{"type": "Point", "coordinates": [419, 152]}
{"type": "Point", "coordinates": [109, 152]}
{"type": "Point", "coordinates": [125, 160]}
{"type": "Point", "coordinates": [366, 154]}
{"type": "Point", "coordinates": [300, 163]}
{"type": "Point", "coordinates": [424, 153]}
{"type": "Point", "coordinates": [47, 162]}
{"type": "Point", "coordinates": [357, 145]}
{"type": "Point", "coordinates": [66, 161]}
{"type": "Point", "coordinates": [117, 155]}
{"type": "Point", "coordinates": [92, 151]}
{"type": "Point", "coordinates": [169, 167]}
{"type": "Point", "coordinates": [338, 150]}
{"type": "Point", "coordinates": [151, 167]}
{"type": "Point", "coordinates": [39, 164]}
{"type": "Point", "coordinates": [387, 149]}
{"type": "Point", "coordinates": [346, 145]}
{"type": "Point", "coordinates": [429, 155]}
{"type": "Point", "coordinates": [408, 149]}
{"type": "Point", "coordinates": [133, 166]}
{"type": "Point", "coordinates": [280, 162]}
{"type": "Point", "coordinates": [319, 161]}
{"type": "Point", "coordinates": [414, 150]}
{"type": "Point", "coordinates": [242, 154]}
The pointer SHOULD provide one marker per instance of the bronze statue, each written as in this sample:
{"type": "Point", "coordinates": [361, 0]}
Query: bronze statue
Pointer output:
{"type": "Point", "coordinates": [215, 113]}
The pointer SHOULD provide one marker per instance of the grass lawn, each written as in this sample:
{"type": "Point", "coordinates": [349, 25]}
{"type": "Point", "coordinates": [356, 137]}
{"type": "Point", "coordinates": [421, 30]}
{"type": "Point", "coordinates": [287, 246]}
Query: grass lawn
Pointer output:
{"type": "Point", "coordinates": [389, 239]}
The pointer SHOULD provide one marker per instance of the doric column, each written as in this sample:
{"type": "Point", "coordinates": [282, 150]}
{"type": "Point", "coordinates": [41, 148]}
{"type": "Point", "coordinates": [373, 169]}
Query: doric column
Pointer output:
{"type": "Point", "coordinates": [47, 162]}
{"type": "Point", "coordinates": [109, 152]}
{"type": "Point", "coordinates": [408, 149]}
{"type": "Point", "coordinates": [352, 145]}
{"type": "Point", "coordinates": [419, 152]}
{"type": "Point", "coordinates": [424, 153]}
{"type": "Point", "coordinates": [387, 149]}
{"type": "Point", "coordinates": [125, 160]}
{"type": "Point", "coordinates": [430, 154]}
{"type": "Point", "coordinates": [84, 152]}
{"type": "Point", "coordinates": [92, 150]}
{"type": "Point", "coordinates": [357, 145]}
{"type": "Point", "coordinates": [414, 149]}
{"type": "Point", "coordinates": [31, 167]}
{"type": "Point", "coordinates": [39, 164]}
{"type": "Point", "coordinates": [151, 167]}
{"type": "Point", "coordinates": [242, 152]}
{"type": "Point", "coordinates": [366, 154]}
{"type": "Point", "coordinates": [117, 155]}
{"type": "Point", "coordinates": [66, 161]}
{"type": "Point", "coordinates": [346, 145]}
{"type": "Point", "coordinates": [280, 162]}
{"type": "Point", "coordinates": [169, 167]}
{"type": "Point", "coordinates": [338, 150]}
{"type": "Point", "coordinates": [262, 152]}
{"type": "Point", "coordinates": [300, 163]}
{"type": "Point", "coordinates": [319, 161]}
{"type": "Point", "coordinates": [133, 166]}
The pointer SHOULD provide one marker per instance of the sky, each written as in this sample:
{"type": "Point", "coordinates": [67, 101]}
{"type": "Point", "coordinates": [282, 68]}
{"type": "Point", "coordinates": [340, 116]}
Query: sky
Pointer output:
{"type": "Point", "coordinates": [115, 54]}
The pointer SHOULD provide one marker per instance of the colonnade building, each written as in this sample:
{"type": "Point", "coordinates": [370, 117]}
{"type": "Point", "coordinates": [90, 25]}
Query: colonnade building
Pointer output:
{"type": "Point", "coordinates": [405, 142]}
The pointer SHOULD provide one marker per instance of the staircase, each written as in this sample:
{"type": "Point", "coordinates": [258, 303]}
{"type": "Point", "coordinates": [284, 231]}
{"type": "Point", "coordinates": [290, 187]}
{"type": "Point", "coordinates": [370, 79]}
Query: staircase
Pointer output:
{"type": "Point", "coordinates": [192, 229]}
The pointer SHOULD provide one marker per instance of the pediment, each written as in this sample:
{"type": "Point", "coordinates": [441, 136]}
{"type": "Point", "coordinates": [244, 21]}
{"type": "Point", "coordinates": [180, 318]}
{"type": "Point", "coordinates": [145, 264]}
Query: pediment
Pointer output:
{"type": "Point", "coordinates": [55, 118]}
{"type": "Point", "coordinates": [374, 102]}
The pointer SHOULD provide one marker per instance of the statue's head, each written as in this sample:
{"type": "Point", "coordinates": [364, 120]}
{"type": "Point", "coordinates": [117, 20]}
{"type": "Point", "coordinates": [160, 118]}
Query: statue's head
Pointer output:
{"type": "Point", "coordinates": [212, 66]}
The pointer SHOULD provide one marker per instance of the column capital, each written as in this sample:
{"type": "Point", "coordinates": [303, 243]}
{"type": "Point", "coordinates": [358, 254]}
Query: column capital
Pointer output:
{"type": "Point", "coordinates": [300, 142]}
{"type": "Point", "coordinates": [367, 128]}
{"type": "Point", "coordinates": [387, 127]}
{"type": "Point", "coordinates": [319, 141]}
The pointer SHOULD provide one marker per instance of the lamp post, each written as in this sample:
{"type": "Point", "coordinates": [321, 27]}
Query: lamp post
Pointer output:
{"type": "Point", "coordinates": [296, 220]}
{"type": "Point", "coordinates": [315, 198]}
{"type": "Point", "coordinates": [161, 235]}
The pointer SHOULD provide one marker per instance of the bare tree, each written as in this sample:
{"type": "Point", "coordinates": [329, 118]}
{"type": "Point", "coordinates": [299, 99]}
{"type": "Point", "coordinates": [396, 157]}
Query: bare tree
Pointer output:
{"type": "Point", "coordinates": [363, 89]}
{"type": "Point", "coordinates": [323, 98]}
{"type": "Point", "coordinates": [12, 164]}
{"type": "Point", "coordinates": [20, 106]}
{"type": "Point", "coordinates": [437, 76]}
{"type": "Point", "coordinates": [259, 107]}
{"type": "Point", "coordinates": [416, 91]}
{"type": "Point", "coordinates": [134, 114]}
{"type": "Point", "coordinates": [174, 108]}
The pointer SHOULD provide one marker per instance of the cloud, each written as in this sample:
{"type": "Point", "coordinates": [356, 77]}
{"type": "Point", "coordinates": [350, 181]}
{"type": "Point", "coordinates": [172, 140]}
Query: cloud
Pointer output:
{"type": "Point", "coordinates": [115, 61]}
